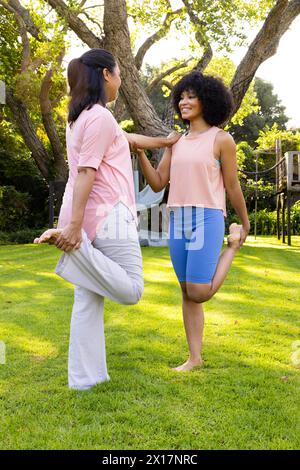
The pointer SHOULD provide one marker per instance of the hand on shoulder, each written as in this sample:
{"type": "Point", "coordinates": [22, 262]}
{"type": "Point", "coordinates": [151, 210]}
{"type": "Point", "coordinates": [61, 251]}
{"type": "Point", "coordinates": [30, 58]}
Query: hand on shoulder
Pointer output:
{"type": "Point", "coordinates": [172, 138]}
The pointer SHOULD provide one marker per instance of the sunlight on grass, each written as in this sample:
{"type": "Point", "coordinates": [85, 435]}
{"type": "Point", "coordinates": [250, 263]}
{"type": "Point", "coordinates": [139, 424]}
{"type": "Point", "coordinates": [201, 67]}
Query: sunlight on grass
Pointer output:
{"type": "Point", "coordinates": [41, 297]}
{"type": "Point", "coordinates": [19, 284]}
{"type": "Point", "coordinates": [26, 342]}
{"type": "Point", "coordinates": [160, 276]}
{"type": "Point", "coordinates": [35, 346]}
{"type": "Point", "coordinates": [245, 397]}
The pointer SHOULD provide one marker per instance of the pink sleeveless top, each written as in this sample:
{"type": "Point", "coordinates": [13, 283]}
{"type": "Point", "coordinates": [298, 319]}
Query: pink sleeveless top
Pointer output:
{"type": "Point", "coordinates": [195, 175]}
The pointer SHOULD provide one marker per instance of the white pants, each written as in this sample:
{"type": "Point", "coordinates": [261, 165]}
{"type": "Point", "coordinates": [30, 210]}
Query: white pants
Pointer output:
{"type": "Point", "coordinates": [110, 266]}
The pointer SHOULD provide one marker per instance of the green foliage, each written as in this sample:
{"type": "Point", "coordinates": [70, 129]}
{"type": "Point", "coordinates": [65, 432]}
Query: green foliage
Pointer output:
{"type": "Point", "coordinates": [221, 22]}
{"type": "Point", "coordinates": [269, 112]}
{"type": "Point", "coordinates": [26, 235]}
{"type": "Point", "coordinates": [295, 218]}
{"type": "Point", "coordinates": [245, 156]}
{"type": "Point", "coordinates": [266, 221]}
{"type": "Point", "coordinates": [43, 56]}
{"type": "Point", "coordinates": [10, 47]}
{"type": "Point", "coordinates": [18, 169]}
{"type": "Point", "coordinates": [148, 14]}
{"type": "Point", "coordinates": [290, 139]}
{"type": "Point", "coordinates": [265, 191]}
{"type": "Point", "coordinates": [14, 208]}
{"type": "Point", "coordinates": [127, 125]}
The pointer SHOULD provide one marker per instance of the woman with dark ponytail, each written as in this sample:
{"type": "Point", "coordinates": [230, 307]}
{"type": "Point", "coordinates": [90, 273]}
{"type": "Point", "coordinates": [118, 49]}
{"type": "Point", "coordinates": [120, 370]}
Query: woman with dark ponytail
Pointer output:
{"type": "Point", "coordinates": [97, 227]}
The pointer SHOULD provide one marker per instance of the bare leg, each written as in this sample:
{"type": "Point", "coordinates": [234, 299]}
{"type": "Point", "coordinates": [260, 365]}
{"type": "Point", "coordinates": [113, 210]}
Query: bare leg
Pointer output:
{"type": "Point", "coordinates": [203, 292]}
{"type": "Point", "coordinates": [193, 318]}
{"type": "Point", "coordinates": [193, 295]}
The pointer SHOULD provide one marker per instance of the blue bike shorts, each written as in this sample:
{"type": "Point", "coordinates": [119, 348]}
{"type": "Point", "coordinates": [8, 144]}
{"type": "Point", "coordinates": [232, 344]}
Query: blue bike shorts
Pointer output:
{"type": "Point", "coordinates": [195, 240]}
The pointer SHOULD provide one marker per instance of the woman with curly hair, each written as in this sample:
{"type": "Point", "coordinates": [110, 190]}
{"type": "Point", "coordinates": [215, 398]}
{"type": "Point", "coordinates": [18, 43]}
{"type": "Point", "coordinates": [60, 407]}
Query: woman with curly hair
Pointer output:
{"type": "Point", "coordinates": [200, 167]}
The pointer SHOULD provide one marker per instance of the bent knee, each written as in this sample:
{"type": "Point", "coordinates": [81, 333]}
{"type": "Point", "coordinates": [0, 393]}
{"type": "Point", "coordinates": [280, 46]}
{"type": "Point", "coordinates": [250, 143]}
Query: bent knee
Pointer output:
{"type": "Point", "coordinates": [199, 293]}
{"type": "Point", "coordinates": [199, 298]}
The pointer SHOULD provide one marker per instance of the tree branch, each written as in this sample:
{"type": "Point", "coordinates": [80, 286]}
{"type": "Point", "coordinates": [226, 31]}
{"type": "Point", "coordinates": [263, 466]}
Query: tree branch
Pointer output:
{"type": "Point", "coordinates": [76, 24]}
{"type": "Point", "coordinates": [200, 37]}
{"type": "Point", "coordinates": [263, 46]}
{"type": "Point", "coordinates": [23, 33]}
{"type": "Point", "coordinates": [92, 20]}
{"type": "Point", "coordinates": [167, 84]}
{"type": "Point", "coordinates": [164, 74]}
{"type": "Point", "coordinates": [25, 41]}
{"type": "Point", "coordinates": [119, 109]}
{"type": "Point", "coordinates": [205, 59]}
{"type": "Point", "coordinates": [7, 6]}
{"type": "Point", "coordinates": [162, 32]}
{"type": "Point", "coordinates": [55, 102]}
{"type": "Point", "coordinates": [94, 6]}
{"type": "Point", "coordinates": [25, 15]}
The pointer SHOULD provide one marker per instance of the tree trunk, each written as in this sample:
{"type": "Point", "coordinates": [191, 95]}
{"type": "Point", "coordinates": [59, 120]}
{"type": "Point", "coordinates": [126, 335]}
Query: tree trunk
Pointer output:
{"type": "Point", "coordinates": [60, 168]}
{"type": "Point", "coordinates": [29, 135]}
{"type": "Point", "coordinates": [117, 41]}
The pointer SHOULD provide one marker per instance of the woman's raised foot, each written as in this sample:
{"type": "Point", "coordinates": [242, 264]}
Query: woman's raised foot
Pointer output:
{"type": "Point", "coordinates": [234, 236]}
{"type": "Point", "coordinates": [49, 236]}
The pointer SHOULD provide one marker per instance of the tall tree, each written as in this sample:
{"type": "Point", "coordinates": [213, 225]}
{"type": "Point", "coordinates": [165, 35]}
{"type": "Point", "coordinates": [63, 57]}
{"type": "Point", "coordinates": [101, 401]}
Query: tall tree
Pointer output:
{"type": "Point", "coordinates": [32, 50]}
{"type": "Point", "coordinates": [211, 25]}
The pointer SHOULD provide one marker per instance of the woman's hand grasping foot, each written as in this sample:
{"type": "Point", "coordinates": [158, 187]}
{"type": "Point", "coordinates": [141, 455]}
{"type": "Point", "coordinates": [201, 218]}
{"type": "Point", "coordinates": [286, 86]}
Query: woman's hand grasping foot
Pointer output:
{"type": "Point", "coordinates": [237, 235]}
{"type": "Point", "coordinates": [234, 237]}
{"type": "Point", "coordinates": [70, 238]}
{"type": "Point", "coordinates": [49, 236]}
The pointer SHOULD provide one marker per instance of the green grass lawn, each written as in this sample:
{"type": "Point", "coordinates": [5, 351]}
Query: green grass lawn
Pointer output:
{"type": "Point", "coordinates": [246, 396]}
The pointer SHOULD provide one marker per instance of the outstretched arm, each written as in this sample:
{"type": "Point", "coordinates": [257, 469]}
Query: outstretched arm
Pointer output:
{"type": "Point", "coordinates": [156, 178]}
{"type": "Point", "coordinates": [231, 181]}
{"type": "Point", "coordinates": [146, 142]}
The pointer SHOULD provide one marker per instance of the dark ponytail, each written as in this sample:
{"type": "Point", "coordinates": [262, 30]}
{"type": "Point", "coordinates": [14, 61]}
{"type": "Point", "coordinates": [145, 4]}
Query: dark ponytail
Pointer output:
{"type": "Point", "coordinates": [86, 82]}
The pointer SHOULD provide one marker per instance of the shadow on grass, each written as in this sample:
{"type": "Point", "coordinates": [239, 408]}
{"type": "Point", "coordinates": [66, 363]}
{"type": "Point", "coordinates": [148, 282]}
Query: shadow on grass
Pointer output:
{"type": "Point", "coordinates": [238, 400]}
{"type": "Point", "coordinates": [34, 289]}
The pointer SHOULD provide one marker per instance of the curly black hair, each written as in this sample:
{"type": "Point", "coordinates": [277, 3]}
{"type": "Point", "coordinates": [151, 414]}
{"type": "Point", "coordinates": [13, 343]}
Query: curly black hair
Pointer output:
{"type": "Point", "coordinates": [215, 97]}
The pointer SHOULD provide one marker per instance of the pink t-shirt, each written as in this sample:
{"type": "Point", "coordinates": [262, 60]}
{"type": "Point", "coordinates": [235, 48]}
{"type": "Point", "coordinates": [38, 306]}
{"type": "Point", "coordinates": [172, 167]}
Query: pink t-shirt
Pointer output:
{"type": "Point", "coordinates": [95, 140]}
{"type": "Point", "coordinates": [195, 175]}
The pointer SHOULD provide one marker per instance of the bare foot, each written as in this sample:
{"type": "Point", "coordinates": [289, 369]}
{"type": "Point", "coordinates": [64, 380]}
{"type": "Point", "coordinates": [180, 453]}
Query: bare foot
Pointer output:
{"type": "Point", "coordinates": [49, 236]}
{"type": "Point", "coordinates": [189, 365]}
{"type": "Point", "coordinates": [234, 236]}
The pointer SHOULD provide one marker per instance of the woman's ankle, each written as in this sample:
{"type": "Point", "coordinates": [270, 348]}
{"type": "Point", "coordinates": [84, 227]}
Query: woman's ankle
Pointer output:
{"type": "Point", "coordinates": [233, 246]}
{"type": "Point", "coordinates": [195, 359]}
